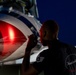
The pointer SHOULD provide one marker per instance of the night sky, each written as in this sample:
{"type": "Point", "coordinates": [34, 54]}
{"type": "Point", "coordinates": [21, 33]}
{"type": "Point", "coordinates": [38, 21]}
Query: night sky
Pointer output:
{"type": "Point", "coordinates": [64, 13]}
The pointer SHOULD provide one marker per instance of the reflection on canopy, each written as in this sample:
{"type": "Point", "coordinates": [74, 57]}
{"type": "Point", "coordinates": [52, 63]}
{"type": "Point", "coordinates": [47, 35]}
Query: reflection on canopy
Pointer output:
{"type": "Point", "coordinates": [11, 39]}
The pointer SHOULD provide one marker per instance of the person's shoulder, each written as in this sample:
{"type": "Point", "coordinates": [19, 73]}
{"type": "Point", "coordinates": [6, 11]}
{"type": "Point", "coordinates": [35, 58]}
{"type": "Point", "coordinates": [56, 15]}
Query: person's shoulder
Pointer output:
{"type": "Point", "coordinates": [41, 56]}
{"type": "Point", "coordinates": [43, 53]}
{"type": "Point", "coordinates": [66, 45]}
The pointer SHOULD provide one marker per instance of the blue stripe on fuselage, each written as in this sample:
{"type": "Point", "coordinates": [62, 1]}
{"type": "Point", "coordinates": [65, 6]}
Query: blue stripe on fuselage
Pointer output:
{"type": "Point", "coordinates": [23, 19]}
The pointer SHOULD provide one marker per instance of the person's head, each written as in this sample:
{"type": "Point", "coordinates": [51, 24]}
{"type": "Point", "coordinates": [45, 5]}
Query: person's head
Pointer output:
{"type": "Point", "coordinates": [48, 32]}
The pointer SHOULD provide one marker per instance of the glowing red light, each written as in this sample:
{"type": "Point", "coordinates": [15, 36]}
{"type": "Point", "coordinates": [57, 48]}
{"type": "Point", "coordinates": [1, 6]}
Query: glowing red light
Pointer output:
{"type": "Point", "coordinates": [11, 38]}
{"type": "Point", "coordinates": [11, 34]}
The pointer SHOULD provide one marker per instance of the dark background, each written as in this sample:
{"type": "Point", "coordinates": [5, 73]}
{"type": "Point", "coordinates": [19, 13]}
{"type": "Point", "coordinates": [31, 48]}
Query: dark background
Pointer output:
{"type": "Point", "coordinates": [62, 11]}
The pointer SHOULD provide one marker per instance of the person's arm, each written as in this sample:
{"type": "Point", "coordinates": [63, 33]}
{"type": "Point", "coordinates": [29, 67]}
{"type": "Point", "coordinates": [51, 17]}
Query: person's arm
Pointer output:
{"type": "Point", "coordinates": [27, 68]}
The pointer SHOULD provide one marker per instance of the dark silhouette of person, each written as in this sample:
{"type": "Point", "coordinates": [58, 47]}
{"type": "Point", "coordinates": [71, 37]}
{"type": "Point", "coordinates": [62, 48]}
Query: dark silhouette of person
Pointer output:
{"type": "Point", "coordinates": [56, 60]}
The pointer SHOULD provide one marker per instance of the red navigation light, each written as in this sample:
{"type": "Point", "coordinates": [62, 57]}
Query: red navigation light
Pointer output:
{"type": "Point", "coordinates": [11, 34]}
